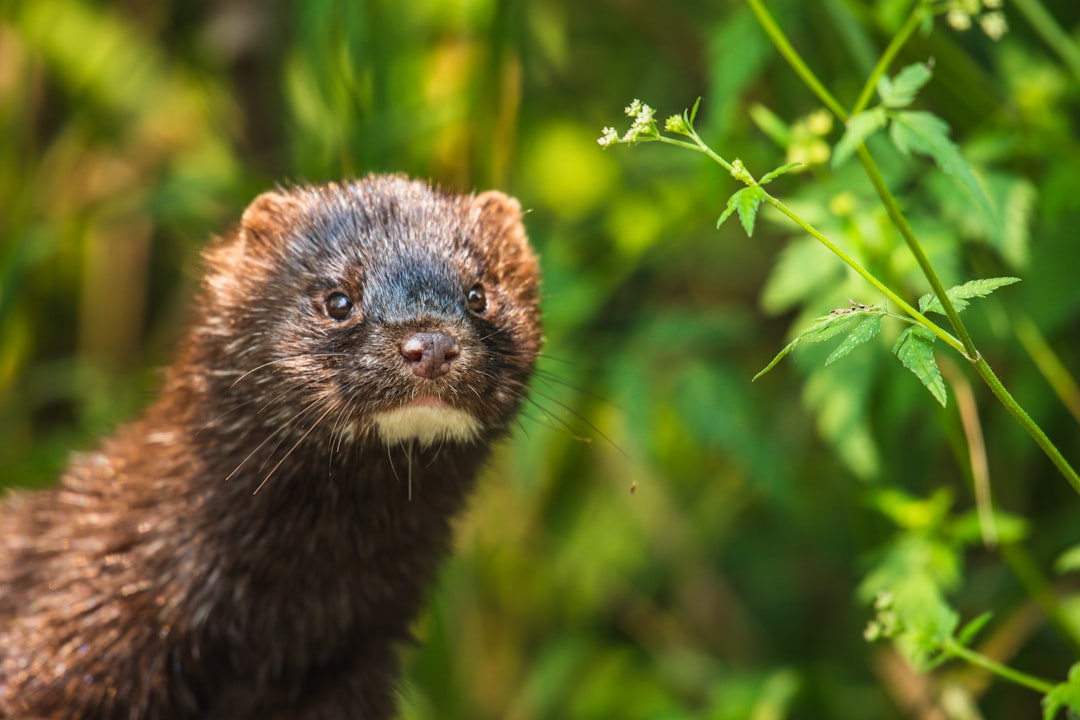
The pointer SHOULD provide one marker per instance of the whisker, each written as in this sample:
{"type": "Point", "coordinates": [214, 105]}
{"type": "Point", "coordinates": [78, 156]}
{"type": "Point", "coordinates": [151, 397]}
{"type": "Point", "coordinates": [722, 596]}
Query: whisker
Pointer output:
{"type": "Point", "coordinates": [555, 380]}
{"type": "Point", "coordinates": [572, 411]}
{"type": "Point", "coordinates": [408, 460]}
{"type": "Point", "coordinates": [284, 426]}
{"type": "Point", "coordinates": [286, 359]}
{"type": "Point", "coordinates": [293, 448]}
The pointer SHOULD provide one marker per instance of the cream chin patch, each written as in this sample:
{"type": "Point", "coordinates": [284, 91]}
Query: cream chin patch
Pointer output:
{"type": "Point", "coordinates": [426, 425]}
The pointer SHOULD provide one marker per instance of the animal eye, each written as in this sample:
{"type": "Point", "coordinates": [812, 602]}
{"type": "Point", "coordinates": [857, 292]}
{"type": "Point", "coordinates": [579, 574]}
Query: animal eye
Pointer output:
{"type": "Point", "coordinates": [338, 306]}
{"type": "Point", "coordinates": [476, 298]}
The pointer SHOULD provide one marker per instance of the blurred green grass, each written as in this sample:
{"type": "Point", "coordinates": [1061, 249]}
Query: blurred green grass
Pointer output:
{"type": "Point", "coordinates": [724, 587]}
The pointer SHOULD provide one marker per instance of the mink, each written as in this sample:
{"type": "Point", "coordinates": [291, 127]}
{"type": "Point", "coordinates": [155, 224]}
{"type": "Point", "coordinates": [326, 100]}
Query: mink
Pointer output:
{"type": "Point", "coordinates": [259, 542]}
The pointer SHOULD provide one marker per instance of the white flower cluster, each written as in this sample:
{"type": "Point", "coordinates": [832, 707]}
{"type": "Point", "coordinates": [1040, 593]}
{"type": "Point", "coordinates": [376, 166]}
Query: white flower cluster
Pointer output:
{"type": "Point", "coordinates": [962, 14]}
{"type": "Point", "coordinates": [644, 125]}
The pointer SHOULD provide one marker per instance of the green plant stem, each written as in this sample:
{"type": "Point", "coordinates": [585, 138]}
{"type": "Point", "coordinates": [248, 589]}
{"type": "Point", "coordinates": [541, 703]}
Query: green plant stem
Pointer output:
{"type": "Point", "coordinates": [887, 57]}
{"type": "Point", "coordinates": [901, 223]}
{"type": "Point", "coordinates": [700, 146]}
{"type": "Point", "coordinates": [867, 275]}
{"type": "Point", "coordinates": [967, 345]}
{"type": "Point", "coordinates": [807, 76]}
{"type": "Point", "coordinates": [768, 24]}
{"type": "Point", "coordinates": [1032, 428]}
{"type": "Point", "coordinates": [1052, 34]}
{"type": "Point", "coordinates": [1037, 684]}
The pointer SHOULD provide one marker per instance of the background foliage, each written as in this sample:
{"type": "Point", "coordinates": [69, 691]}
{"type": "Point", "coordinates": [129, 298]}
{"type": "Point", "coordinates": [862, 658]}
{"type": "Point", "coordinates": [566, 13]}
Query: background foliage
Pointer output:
{"type": "Point", "coordinates": [727, 585]}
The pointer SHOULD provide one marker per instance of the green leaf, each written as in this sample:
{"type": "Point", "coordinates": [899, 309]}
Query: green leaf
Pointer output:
{"type": "Point", "coordinates": [1068, 561]}
{"type": "Point", "coordinates": [915, 349]}
{"type": "Point", "coordinates": [693, 112]}
{"type": "Point", "coordinates": [782, 170]}
{"type": "Point", "coordinates": [731, 205]}
{"type": "Point", "coordinates": [901, 91]}
{"type": "Point", "coordinates": [823, 329]}
{"type": "Point", "coordinates": [747, 201]}
{"type": "Point", "coordinates": [917, 571]}
{"type": "Point", "coordinates": [1065, 695]}
{"type": "Point", "coordinates": [927, 134]}
{"type": "Point", "coordinates": [776, 360]}
{"type": "Point", "coordinates": [862, 332]}
{"type": "Point", "coordinates": [960, 294]}
{"type": "Point", "coordinates": [970, 630]}
{"type": "Point", "coordinates": [914, 513]}
{"type": "Point", "coordinates": [827, 327]}
{"type": "Point", "coordinates": [859, 128]}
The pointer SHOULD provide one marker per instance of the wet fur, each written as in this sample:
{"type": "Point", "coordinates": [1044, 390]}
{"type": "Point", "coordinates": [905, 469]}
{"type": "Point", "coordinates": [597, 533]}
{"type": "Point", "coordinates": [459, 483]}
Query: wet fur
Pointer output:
{"type": "Point", "coordinates": [252, 547]}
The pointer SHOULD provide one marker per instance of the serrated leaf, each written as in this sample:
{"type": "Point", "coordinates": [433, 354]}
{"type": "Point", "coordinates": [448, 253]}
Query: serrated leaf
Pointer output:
{"type": "Point", "coordinates": [927, 134]}
{"type": "Point", "coordinates": [747, 202]}
{"type": "Point", "coordinates": [731, 205]}
{"type": "Point", "coordinates": [915, 349]}
{"type": "Point", "coordinates": [776, 360]}
{"type": "Point", "coordinates": [901, 90]}
{"type": "Point", "coordinates": [1068, 561]}
{"type": "Point", "coordinates": [971, 629]}
{"type": "Point", "coordinates": [827, 327]}
{"type": "Point", "coordinates": [961, 294]}
{"type": "Point", "coordinates": [862, 332]}
{"type": "Point", "coordinates": [1063, 696]}
{"type": "Point", "coordinates": [782, 170]}
{"type": "Point", "coordinates": [822, 329]}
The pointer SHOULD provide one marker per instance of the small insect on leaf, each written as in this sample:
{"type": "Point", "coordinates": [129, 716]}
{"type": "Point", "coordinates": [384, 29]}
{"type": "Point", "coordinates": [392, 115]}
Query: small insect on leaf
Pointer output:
{"type": "Point", "coordinates": [633, 487]}
{"type": "Point", "coordinates": [864, 331]}
{"type": "Point", "coordinates": [823, 328]}
{"type": "Point", "coordinates": [915, 349]}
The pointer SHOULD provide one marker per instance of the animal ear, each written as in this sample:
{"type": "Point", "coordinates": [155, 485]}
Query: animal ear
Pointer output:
{"type": "Point", "coordinates": [500, 218]}
{"type": "Point", "coordinates": [510, 257]}
{"type": "Point", "coordinates": [269, 214]}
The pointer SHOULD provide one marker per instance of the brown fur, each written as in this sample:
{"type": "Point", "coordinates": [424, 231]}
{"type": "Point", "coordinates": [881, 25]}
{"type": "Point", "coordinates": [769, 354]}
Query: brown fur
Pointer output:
{"type": "Point", "coordinates": [250, 547]}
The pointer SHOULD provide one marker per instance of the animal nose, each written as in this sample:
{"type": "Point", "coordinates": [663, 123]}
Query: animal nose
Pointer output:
{"type": "Point", "coordinates": [430, 353]}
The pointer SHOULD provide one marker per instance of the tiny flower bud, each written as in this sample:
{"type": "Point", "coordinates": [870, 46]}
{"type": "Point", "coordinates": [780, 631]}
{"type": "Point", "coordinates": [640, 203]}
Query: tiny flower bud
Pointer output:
{"type": "Point", "coordinates": [676, 124]}
{"type": "Point", "coordinates": [958, 20]}
{"type": "Point", "coordinates": [994, 25]}
{"type": "Point", "coordinates": [819, 122]}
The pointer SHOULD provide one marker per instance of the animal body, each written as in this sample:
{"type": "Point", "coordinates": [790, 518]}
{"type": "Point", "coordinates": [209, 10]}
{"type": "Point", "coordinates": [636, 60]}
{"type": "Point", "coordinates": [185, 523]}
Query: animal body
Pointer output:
{"type": "Point", "coordinates": [257, 543]}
